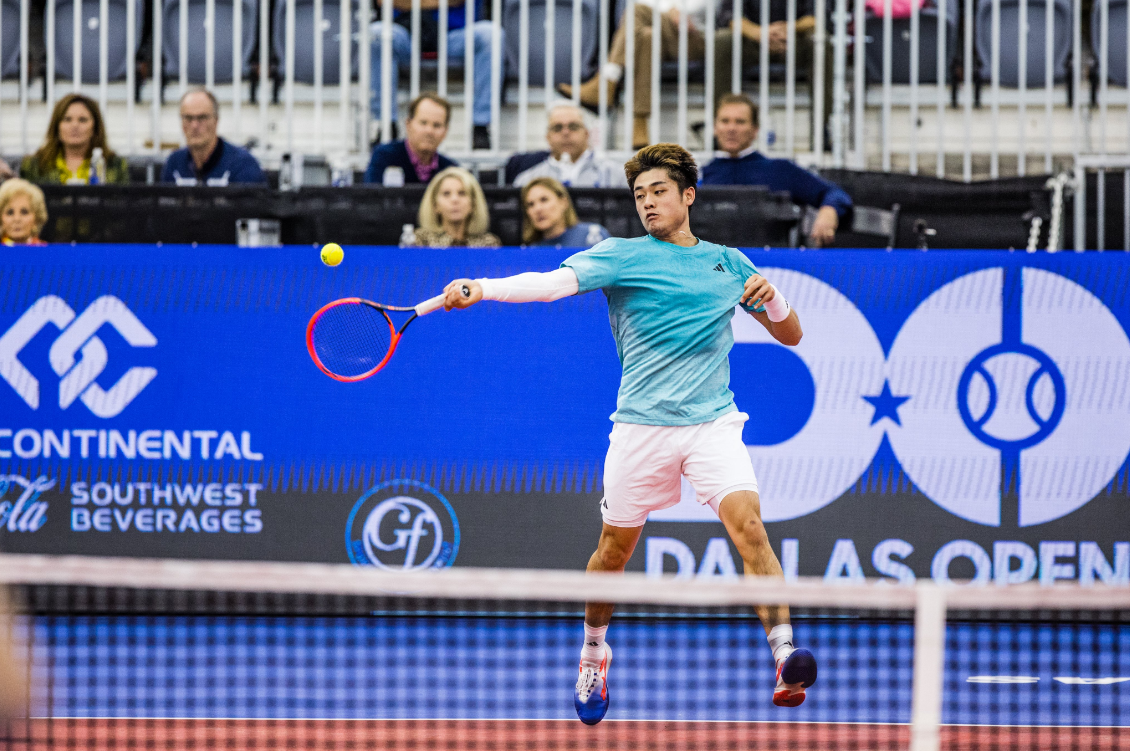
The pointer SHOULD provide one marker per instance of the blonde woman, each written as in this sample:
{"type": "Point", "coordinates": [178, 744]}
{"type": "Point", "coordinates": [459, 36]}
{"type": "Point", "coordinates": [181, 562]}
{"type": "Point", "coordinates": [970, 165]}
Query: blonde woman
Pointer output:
{"type": "Point", "coordinates": [23, 212]}
{"type": "Point", "coordinates": [548, 217]}
{"type": "Point", "coordinates": [454, 213]}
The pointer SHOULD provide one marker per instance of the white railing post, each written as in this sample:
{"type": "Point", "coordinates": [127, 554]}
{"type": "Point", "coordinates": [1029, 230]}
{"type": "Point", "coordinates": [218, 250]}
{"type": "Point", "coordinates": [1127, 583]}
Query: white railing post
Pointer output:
{"type": "Point", "coordinates": [237, 69]}
{"type": "Point", "coordinates": [182, 56]}
{"type": "Point", "coordinates": [1022, 105]}
{"type": "Point", "coordinates": [288, 66]}
{"type": "Point", "coordinates": [576, 70]}
{"type": "Point", "coordinates": [344, 71]}
{"type": "Point", "coordinates": [762, 75]}
{"type": "Point", "coordinates": [1077, 76]}
{"type": "Point", "coordinates": [210, 44]}
{"type": "Point", "coordinates": [915, 40]}
{"type": "Point", "coordinates": [388, 83]}
{"type": "Point", "coordinates": [49, 33]}
{"type": "Point", "coordinates": [441, 54]}
{"type": "Point", "coordinates": [929, 667]}
{"type": "Point", "coordinates": [496, 74]}
{"type": "Point", "coordinates": [819, 41]}
{"type": "Point", "coordinates": [131, 70]}
{"type": "Point", "coordinates": [995, 78]}
{"type": "Point", "coordinates": [858, 99]}
{"type": "Point", "coordinates": [605, 141]}
{"type": "Point", "coordinates": [737, 39]}
{"type": "Point", "coordinates": [264, 69]}
{"type": "Point", "coordinates": [76, 59]}
{"type": "Point", "coordinates": [469, 73]}
{"type": "Point", "coordinates": [365, 68]}
{"type": "Point", "coordinates": [1049, 80]}
{"type": "Point", "coordinates": [524, 73]}
{"type": "Point", "coordinates": [550, 61]}
{"type": "Point", "coordinates": [886, 105]}
{"type": "Point", "coordinates": [790, 77]}
{"type": "Point", "coordinates": [681, 115]}
{"type": "Point", "coordinates": [25, 11]}
{"type": "Point", "coordinates": [158, 74]}
{"type": "Point", "coordinates": [414, 72]}
{"type": "Point", "coordinates": [708, 82]}
{"type": "Point", "coordinates": [967, 154]}
{"type": "Point", "coordinates": [103, 54]}
{"type": "Point", "coordinates": [629, 23]}
{"type": "Point", "coordinates": [319, 72]}
{"type": "Point", "coordinates": [940, 91]}
{"type": "Point", "coordinates": [839, 79]}
{"type": "Point", "coordinates": [656, 71]}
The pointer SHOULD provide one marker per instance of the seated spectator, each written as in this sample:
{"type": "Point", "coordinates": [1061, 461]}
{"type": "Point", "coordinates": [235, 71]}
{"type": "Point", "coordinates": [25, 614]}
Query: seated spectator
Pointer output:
{"type": "Point", "coordinates": [456, 50]}
{"type": "Point", "coordinates": [417, 157]}
{"type": "Point", "coordinates": [208, 159]}
{"type": "Point", "coordinates": [735, 129]}
{"type": "Point", "coordinates": [550, 219]}
{"type": "Point", "coordinates": [5, 171]}
{"type": "Point", "coordinates": [23, 212]}
{"type": "Point", "coordinates": [570, 160]}
{"type": "Point", "coordinates": [454, 213]}
{"type": "Point", "coordinates": [75, 130]}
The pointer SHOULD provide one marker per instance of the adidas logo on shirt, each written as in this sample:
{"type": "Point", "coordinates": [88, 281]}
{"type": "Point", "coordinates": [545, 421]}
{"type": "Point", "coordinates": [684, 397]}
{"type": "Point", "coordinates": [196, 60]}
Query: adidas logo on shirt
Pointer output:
{"type": "Point", "coordinates": [719, 268]}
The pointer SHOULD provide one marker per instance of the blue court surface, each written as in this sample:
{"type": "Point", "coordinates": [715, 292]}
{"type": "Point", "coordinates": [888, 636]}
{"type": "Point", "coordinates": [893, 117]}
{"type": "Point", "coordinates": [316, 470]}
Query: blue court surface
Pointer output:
{"type": "Point", "coordinates": [484, 668]}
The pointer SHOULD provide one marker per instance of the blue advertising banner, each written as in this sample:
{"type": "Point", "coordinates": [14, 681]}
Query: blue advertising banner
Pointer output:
{"type": "Point", "coordinates": [954, 414]}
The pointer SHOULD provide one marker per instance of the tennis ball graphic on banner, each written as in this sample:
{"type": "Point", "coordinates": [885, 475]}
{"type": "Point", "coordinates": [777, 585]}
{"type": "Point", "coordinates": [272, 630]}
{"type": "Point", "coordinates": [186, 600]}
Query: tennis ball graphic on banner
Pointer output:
{"type": "Point", "coordinates": [332, 254]}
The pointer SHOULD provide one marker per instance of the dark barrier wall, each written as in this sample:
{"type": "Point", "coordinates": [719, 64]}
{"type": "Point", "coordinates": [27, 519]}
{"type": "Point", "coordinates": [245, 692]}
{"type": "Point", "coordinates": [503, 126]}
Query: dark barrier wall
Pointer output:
{"type": "Point", "coordinates": [373, 215]}
{"type": "Point", "coordinates": [960, 414]}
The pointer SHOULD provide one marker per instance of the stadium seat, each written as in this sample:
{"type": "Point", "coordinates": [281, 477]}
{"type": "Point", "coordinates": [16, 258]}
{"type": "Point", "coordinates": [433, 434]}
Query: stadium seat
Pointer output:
{"type": "Point", "coordinates": [304, 25]}
{"type": "Point", "coordinates": [1010, 40]}
{"type": "Point", "coordinates": [563, 45]}
{"type": "Point", "coordinates": [118, 56]}
{"type": "Point", "coordinates": [1118, 53]}
{"type": "Point", "coordinates": [224, 48]}
{"type": "Point", "coordinates": [900, 45]}
{"type": "Point", "coordinates": [9, 38]}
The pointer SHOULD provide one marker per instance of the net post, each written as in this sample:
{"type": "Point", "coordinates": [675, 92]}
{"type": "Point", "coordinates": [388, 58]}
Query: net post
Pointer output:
{"type": "Point", "coordinates": [929, 666]}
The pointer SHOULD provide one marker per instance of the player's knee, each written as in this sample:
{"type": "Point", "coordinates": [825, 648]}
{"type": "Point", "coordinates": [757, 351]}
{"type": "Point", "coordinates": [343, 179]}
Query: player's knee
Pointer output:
{"type": "Point", "coordinates": [611, 554]}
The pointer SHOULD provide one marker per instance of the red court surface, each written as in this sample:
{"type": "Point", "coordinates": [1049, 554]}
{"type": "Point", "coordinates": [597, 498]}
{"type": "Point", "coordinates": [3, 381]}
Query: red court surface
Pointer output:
{"type": "Point", "coordinates": [530, 735]}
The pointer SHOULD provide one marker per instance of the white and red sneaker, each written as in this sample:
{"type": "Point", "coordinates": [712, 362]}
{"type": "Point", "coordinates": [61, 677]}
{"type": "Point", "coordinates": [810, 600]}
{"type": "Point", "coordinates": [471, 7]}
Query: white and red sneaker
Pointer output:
{"type": "Point", "coordinates": [590, 696]}
{"type": "Point", "coordinates": [795, 673]}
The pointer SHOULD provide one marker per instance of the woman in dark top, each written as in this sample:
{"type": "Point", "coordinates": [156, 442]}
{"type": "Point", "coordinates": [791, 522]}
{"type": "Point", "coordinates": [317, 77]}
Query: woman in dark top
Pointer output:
{"type": "Point", "coordinates": [550, 219]}
{"type": "Point", "coordinates": [75, 131]}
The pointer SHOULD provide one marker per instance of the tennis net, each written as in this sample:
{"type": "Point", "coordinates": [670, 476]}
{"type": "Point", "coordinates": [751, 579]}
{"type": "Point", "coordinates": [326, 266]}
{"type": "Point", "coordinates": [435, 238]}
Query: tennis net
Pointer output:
{"type": "Point", "coordinates": [127, 653]}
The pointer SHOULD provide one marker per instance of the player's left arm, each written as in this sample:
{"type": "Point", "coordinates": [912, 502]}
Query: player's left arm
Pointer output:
{"type": "Point", "coordinates": [777, 316]}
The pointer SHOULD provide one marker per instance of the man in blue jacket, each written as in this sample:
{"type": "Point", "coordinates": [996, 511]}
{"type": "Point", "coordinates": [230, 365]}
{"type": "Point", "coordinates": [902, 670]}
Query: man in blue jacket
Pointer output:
{"type": "Point", "coordinates": [208, 159]}
{"type": "Point", "coordinates": [417, 157]}
{"type": "Point", "coordinates": [735, 130]}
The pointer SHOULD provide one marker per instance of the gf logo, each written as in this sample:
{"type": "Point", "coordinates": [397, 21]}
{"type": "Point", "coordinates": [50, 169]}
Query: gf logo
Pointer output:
{"type": "Point", "coordinates": [392, 530]}
{"type": "Point", "coordinates": [77, 337]}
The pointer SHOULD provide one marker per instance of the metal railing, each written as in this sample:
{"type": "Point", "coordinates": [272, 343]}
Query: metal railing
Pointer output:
{"type": "Point", "coordinates": [894, 104]}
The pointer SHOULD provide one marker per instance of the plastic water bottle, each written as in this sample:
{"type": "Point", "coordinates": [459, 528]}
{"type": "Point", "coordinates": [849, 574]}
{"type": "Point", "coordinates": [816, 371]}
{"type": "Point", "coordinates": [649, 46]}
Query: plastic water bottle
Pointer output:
{"type": "Point", "coordinates": [97, 167]}
{"type": "Point", "coordinates": [286, 173]}
{"type": "Point", "coordinates": [407, 236]}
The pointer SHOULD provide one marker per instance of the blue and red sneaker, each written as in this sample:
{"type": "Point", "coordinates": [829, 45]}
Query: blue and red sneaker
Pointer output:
{"type": "Point", "coordinates": [590, 696]}
{"type": "Point", "coordinates": [795, 673]}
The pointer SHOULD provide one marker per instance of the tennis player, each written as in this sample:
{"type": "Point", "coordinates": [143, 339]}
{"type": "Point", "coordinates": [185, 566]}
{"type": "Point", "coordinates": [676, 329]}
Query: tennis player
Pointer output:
{"type": "Point", "coordinates": [671, 297]}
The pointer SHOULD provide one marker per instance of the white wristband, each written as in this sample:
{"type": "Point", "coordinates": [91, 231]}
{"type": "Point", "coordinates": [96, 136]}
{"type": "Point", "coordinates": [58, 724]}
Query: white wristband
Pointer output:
{"type": "Point", "coordinates": [778, 308]}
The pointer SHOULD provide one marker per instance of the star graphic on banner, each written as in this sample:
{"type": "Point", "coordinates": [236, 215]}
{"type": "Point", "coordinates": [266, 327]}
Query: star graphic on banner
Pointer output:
{"type": "Point", "coordinates": [886, 404]}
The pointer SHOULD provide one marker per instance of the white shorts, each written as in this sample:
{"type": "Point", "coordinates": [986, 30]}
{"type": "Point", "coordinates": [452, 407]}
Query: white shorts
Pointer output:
{"type": "Point", "coordinates": [644, 463]}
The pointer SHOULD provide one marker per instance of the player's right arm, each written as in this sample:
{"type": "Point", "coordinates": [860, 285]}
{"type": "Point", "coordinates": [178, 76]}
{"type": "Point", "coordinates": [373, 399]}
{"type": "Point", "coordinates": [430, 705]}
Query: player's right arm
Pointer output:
{"type": "Point", "coordinates": [528, 287]}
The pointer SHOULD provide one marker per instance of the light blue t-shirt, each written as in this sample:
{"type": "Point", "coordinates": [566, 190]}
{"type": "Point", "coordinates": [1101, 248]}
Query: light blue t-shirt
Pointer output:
{"type": "Point", "coordinates": [670, 309]}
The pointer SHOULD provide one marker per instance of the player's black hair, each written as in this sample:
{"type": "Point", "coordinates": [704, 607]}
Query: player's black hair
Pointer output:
{"type": "Point", "coordinates": [677, 161]}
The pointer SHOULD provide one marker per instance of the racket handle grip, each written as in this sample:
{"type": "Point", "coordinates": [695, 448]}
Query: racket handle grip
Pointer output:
{"type": "Point", "coordinates": [430, 306]}
{"type": "Point", "coordinates": [434, 304]}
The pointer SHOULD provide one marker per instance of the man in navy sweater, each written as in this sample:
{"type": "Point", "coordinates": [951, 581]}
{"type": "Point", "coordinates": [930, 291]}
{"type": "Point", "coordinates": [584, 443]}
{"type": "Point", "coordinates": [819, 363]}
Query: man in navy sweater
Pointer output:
{"type": "Point", "coordinates": [735, 129]}
{"type": "Point", "coordinates": [417, 157]}
{"type": "Point", "coordinates": [208, 159]}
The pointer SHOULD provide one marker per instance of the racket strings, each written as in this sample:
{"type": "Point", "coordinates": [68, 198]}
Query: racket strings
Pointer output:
{"type": "Point", "coordinates": [352, 338]}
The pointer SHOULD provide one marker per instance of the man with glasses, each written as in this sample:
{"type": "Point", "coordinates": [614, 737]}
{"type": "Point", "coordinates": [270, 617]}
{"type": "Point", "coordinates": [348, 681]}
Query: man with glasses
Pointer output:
{"type": "Point", "coordinates": [208, 159]}
{"type": "Point", "coordinates": [570, 160]}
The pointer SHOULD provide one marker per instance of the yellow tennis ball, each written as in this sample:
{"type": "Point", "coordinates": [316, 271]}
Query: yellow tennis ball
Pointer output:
{"type": "Point", "coordinates": [332, 254]}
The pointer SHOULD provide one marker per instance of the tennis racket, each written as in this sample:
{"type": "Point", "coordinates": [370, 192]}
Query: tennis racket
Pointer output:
{"type": "Point", "coordinates": [351, 339]}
